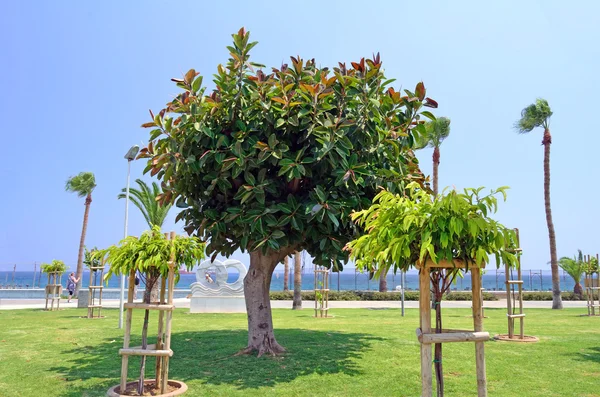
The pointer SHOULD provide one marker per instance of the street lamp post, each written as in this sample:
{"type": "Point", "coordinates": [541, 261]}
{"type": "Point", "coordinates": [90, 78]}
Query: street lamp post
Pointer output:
{"type": "Point", "coordinates": [130, 156]}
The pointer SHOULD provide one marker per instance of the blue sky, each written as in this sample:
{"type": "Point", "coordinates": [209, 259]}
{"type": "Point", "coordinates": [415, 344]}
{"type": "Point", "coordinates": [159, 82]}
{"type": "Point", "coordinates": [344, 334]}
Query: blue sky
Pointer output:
{"type": "Point", "coordinates": [77, 80]}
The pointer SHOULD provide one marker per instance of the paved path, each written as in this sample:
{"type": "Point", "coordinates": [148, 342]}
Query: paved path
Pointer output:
{"type": "Point", "coordinates": [8, 304]}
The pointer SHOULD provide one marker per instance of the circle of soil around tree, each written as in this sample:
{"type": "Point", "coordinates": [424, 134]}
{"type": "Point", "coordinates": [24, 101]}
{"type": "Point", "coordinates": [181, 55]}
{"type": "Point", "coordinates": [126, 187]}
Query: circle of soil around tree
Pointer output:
{"type": "Point", "coordinates": [174, 388]}
{"type": "Point", "coordinates": [516, 338]}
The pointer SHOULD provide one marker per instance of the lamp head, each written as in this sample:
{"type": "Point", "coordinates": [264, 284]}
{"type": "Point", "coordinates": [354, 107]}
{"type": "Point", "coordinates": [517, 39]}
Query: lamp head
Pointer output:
{"type": "Point", "coordinates": [132, 152]}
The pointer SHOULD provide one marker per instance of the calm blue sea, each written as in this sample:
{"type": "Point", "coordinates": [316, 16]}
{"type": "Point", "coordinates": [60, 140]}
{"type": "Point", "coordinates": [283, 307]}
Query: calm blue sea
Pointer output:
{"type": "Point", "coordinates": [343, 281]}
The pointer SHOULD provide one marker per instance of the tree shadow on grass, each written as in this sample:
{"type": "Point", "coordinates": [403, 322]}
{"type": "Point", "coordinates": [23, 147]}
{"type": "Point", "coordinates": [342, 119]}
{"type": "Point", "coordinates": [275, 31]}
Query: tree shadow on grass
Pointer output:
{"type": "Point", "coordinates": [209, 356]}
{"type": "Point", "coordinates": [589, 354]}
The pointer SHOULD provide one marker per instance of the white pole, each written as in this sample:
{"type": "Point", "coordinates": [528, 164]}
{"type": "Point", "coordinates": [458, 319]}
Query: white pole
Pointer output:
{"type": "Point", "coordinates": [122, 296]}
{"type": "Point", "coordinates": [402, 283]}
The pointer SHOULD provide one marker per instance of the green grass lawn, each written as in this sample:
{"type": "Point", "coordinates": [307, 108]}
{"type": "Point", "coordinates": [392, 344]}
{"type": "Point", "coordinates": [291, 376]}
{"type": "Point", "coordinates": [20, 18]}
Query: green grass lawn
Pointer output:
{"type": "Point", "coordinates": [360, 352]}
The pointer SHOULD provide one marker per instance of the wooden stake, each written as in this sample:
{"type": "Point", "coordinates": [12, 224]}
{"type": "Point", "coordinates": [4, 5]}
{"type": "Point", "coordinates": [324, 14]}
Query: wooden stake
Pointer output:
{"type": "Point", "coordinates": [478, 326]}
{"type": "Point", "coordinates": [425, 323]}
{"type": "Point", "coordinates": [160, 337]}
{"type": "Point", "coordinates": [167, 338]}
{"type": "Point", "coordinates": [127, 336]}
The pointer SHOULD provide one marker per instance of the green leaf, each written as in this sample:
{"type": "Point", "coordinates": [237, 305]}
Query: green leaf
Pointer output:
{"type": "Point", "coordinates": [278, 234]}
{"type": "Point", "coordinates": [320, 194]}
{"type": "Point", "coordinates": [334, 220]}
{"type": "Point", "coordinates": [429, 115]}
{"type": "Point", "coordinates": [197, 83]}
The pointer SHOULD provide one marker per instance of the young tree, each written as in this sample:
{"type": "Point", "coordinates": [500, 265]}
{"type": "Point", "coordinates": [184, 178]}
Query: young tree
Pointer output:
{"type": "Point", "coordinates": [83, 184]}
{"type": "Point", "coordinates": [150, 255]}
{"type": "Point", "coordinates": [534, 116]}
{"type": "Point", "coordinates": [273, 163]}
{"type": "Point", "coordinates": [575, 267]}
{"type": "Point", "coordinates": [404, 229]}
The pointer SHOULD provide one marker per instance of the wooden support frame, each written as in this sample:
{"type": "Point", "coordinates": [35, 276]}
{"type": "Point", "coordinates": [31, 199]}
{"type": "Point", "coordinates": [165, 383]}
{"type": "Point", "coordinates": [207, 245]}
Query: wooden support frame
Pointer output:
{"type": "Point", "coordinates": [511, 313]}
{"type": "Point", "coordinates": [592, 289]}
{"type": "Point", "coordinates": [95, 290]}
{"type": "Point", "coordinates": [53, 290]}
{"type": "Point", "coordinates": [427, 337]}
{"type": "Point", "coordinates": [162, 349]}
{"type": "Point", "coordinates": [321, 291]}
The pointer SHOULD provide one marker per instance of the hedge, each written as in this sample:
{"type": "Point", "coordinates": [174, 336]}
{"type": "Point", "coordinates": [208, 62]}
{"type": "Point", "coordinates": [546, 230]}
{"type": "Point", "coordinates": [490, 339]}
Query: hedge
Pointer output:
{"type": "Point", "coordinates": [375, 296]}
{"type": "Point", "coordinates": [547, 296]}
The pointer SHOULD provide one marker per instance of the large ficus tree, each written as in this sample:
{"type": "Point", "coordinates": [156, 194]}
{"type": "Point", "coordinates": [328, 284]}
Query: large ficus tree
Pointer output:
{"type": "Point", "coordinates": [275, 162]}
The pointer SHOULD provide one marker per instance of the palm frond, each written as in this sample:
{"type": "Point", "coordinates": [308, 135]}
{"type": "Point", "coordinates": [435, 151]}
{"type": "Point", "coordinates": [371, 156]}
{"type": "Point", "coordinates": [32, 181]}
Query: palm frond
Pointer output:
{"type": "Point", "coordinates": [83, 184]}
{"type": "Point", "coordinates": [435, 132]}
{"type": "Point", "coordinates": [535, 115]}
{"type": "Point", "coordinates": [574, 268]}
{"type": "Point", "coordinates": [144, 199]}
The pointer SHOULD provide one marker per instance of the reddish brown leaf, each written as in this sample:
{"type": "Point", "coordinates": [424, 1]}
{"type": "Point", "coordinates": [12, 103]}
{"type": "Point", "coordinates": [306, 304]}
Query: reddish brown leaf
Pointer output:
{"type": "Point", "coordinates": [278, 99]}
{"type": "Point", "coordinates": [149, 124]}
{"type": "Point", "coordinates": [430, 103]}
{"type": "Point", "coordinates": [420, 91]}
{"type": "Point", "coordinates": [189, 76]}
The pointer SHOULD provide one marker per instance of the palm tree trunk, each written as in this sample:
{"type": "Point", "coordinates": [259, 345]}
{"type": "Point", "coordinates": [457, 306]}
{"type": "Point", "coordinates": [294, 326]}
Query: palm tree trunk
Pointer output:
{"type": "Point", "coordinates": [297, 303]}
{"type": "Point", "coordinates": [436, 163]}
{"type": "Point", "coordinates": [79, 272]}
{"type": "Point", "coordinates": [556, 299]}
{"type": "Point", "coordinates": [383, 282]}
{"type": "Point", "coordinates": [286, 273]}
{"type": "Point", "coordinates": [578, 289]}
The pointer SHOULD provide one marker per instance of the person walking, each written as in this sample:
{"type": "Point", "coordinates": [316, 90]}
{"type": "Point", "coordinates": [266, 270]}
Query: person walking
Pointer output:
{"type": "Point", "coordinates": [71, 283]}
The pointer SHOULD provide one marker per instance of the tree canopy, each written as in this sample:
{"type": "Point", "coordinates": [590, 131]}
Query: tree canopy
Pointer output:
{"type": "Point", "coordinates": [535, 115]}
{"type": "Point", "coordinates": [55, 266]}
{"type": "Point", "coordinates": [151, 253]}
{"type": "Point", "coordinates": [83, 184]}
{"type": "Point", "coordinates": [435, 132]}
{"type": "Point", "coordinates": [404, 229]}
{"type": "Point", "coordinates": [279, 159]}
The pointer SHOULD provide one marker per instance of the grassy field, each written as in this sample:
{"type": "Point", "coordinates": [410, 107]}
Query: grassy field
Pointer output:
{"type": "Point", "coordinates": [360, 352]}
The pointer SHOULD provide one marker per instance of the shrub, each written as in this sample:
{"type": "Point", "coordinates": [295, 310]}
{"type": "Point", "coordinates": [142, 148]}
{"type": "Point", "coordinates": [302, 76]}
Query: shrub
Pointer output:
{"type": "Point", "coordinates": [55, 266]}
{"type": "Point", "coordinates": [547, 296]}
{"type": "Point", "coordinates": [375, 296]}
{"type": "Point", "coordinates": [467, 296]}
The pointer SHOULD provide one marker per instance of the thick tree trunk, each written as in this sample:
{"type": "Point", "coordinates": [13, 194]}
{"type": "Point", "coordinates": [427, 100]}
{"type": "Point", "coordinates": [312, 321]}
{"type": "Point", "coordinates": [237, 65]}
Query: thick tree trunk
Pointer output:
{"type": "Point", "coordinates": [436, 163]}
{"type": "Point", "coordinates": [297, 303]}
{"type": "Point", "coordinates": [258, 305]}
{"type": "Point", "coordinates": [578, 289]}
{"type": "Point", "coordinates": [79, 271]}
{"type": "Point", "coordinates": [286, 273]}
{"type": "Point", "coordinates": [556, 299]}
{"type": "Point", "coordinates": [383, 282]}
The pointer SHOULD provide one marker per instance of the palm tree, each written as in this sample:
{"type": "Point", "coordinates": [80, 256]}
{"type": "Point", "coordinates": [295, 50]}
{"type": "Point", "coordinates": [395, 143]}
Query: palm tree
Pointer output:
{"type": "Point", "coordinates": [297, 302]}
{"type": "Point", "coordinates": [574, 268]}
{"type": "Point", "coordinates": [286, 273]}
{"type": "Point", "coordinates": [435, 132]}
{"type": "Point", "coordinates": [145, 199]}
{"type": "Point", "coordinates": [533, 116]}
{"type": "Point", "coordinates": [83, 184]}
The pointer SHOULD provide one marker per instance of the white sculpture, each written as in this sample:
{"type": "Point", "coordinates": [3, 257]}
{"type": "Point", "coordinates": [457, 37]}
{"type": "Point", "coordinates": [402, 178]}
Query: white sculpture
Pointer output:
{"type": "Point", "coordinates": [218, 296]}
